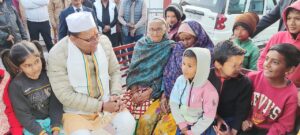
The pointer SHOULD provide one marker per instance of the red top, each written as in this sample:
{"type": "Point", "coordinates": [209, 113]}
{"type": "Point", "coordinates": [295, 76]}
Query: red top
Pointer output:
{"type": "Point", "coordinates": [272, 108]}
{"type": "Point", "coordinates": [15, 126]}
{"type": "Point", "coordinates": [283, 37]}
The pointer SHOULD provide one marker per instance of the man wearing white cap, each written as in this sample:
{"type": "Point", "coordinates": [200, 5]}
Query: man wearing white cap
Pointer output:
{"type": "Point", "coordinates": [84, 74]}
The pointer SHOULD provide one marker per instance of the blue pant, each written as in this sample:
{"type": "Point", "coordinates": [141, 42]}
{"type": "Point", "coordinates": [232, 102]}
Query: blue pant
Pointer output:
{"type": "Point", "coordinates": [45, 124]}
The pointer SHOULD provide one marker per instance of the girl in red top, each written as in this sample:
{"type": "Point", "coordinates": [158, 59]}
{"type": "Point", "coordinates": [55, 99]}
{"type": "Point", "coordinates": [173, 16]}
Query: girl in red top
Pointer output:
{"type": "Point", "coordinates": [8, 121]}
{"type": "Point", "coordinates": [274, 101]}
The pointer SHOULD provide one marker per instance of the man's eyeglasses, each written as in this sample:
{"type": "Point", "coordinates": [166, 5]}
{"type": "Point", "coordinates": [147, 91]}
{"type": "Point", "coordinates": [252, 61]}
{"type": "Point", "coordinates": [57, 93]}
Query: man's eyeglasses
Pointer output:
{"type": "Point", "coordinates": [93, 38]}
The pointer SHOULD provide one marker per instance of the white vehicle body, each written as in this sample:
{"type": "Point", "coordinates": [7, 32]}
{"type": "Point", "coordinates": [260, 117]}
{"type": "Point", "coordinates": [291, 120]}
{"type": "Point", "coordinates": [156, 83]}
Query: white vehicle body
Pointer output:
{"type": "Point", "coordinates": [217, 16]}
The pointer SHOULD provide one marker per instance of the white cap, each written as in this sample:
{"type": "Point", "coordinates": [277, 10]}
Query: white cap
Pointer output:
{"type": "Point", "coordinates": [80, 21]}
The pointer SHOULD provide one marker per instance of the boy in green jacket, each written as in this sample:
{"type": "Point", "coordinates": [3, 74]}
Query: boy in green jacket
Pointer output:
{"type": "Point", "coordinates": [243, 28]}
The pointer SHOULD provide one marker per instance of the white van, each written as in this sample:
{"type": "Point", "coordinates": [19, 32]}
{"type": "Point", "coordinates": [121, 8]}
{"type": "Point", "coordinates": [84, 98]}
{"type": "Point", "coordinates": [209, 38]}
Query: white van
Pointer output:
{"type": "Point", "coordinates": [217, 16]}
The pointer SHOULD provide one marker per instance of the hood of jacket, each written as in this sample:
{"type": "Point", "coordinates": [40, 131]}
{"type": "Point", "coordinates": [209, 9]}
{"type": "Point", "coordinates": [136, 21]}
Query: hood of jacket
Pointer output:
{"type": "Point", "coordinates": [203, 58]}
{"type": "Point", "coordinates": [295, 5]}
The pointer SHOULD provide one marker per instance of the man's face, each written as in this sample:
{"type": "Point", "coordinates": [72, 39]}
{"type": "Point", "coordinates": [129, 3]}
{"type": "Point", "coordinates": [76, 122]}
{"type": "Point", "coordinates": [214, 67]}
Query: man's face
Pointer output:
{"type": "Point", "coordinates": [87, 41]}
{"type": "Point", "coordinates": [77, 3]}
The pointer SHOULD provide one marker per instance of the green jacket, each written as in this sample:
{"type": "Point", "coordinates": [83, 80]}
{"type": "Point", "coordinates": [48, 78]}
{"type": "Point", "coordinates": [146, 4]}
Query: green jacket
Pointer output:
{"type": "Point", "coordinates": [252, 53]}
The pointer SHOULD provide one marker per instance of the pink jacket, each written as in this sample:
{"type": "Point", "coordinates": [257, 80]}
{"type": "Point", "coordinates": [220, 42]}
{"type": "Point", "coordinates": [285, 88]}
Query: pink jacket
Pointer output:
{"type": "Point", "coordinates": [283, 37]}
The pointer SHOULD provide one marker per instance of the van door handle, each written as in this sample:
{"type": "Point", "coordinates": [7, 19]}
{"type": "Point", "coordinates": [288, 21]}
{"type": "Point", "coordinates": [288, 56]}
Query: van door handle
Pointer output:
{"type": "Point", "coordinates": [211, 17]}
{"type": "Point", "coordinates": [195, 12]}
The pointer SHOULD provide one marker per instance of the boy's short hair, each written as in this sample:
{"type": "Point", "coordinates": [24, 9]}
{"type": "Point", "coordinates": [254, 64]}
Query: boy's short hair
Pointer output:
{"type": "Point", "coordinates": [290, 52]}
{"type": "Point", "coordinates": [225, 49]}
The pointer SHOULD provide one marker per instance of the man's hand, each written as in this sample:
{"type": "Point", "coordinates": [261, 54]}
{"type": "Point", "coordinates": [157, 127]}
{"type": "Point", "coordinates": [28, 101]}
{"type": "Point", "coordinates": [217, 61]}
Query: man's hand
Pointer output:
{"type": "Point", "coordinates": [141, 96]}
{"type": "Point", "coordinates": [10, 38]}
{"type": "Point", "coordinates": [119, 101]}
{"type": "Point", "coordinates": [53, 27]}
{"type": "Point", "coordinates": [110, 106]}
{"type": "Point", "coordinates": [106, 28]}
{"type": "Point", "coordinates": [130, 25]}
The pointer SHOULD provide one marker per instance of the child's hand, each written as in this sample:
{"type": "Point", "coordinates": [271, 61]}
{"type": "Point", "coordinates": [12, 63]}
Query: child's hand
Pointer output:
{"type": "Point", "coordinates": [221, 128]}
{"type": "Point", "coordinates": [247, 125]}
{"type": "Point", "coordinates": [187, 132]}
{"type": "Point", "coordinates": [221, 122]}
{"type": "Point", "coordinates": [184, 130]}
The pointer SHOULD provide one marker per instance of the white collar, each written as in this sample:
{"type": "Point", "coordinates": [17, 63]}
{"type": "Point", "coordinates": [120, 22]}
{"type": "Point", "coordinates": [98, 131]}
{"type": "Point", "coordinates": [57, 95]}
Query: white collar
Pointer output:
{"type": "Point", "coordinates": [81, 9]}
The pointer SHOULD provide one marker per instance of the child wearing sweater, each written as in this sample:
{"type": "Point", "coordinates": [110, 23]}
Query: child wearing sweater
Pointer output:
{"type": "Point", "coordinates": [194, 99]}
{"type": "Point", "coordinates": [274, 101]}
{"type": "Point", "coordinates": [33, 101]}
{"type": "Point", "coordinates": [243, 28]}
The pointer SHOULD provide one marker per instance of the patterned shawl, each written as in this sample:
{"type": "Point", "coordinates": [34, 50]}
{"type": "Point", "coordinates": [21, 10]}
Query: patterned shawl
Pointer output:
{"type": "Point", "coordinates": [172, 33]}
{"type": "Point", "coordinates": [148, 62]}
{"type": "Point", "coordinates": [173, 67]}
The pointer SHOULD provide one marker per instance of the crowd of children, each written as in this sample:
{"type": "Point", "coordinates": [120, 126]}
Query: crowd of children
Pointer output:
{"type": "Point", "coordinates": [187, 86]}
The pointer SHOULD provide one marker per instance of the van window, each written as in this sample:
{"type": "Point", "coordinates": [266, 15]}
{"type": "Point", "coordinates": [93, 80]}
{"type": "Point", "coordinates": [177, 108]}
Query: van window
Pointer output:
{"type": "Point", "coordinates": [256, 6]}
{"type": "Point", "coordinates": [217, 6]}
{"type": "Point", "coordinates": [236, 6]}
